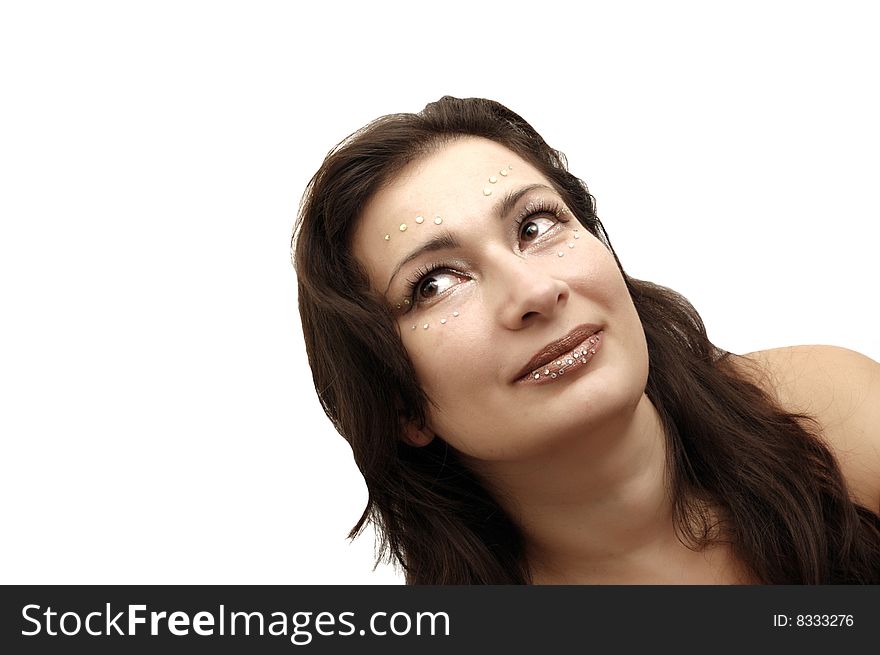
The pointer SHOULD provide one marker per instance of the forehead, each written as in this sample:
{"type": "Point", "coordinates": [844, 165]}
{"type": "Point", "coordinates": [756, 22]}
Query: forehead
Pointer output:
{"type": "Point", "coordinates": [451, 183]}
{"type": "Point", "coordinates": [453, 170]}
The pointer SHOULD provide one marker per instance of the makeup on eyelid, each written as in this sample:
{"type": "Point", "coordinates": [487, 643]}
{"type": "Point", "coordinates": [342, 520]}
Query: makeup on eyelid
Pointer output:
{"type": "Point", "coordinates": [528, 215]}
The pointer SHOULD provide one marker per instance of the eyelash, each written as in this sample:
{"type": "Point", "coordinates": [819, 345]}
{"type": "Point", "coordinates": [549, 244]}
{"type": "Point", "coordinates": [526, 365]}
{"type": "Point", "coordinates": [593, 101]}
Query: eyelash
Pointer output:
{"type": "Point", "coordinates": [415, 280]}
{"type": "Point", "coordinates": [540, 206]}
{"type": "Point", "coordinates": [534, 209]}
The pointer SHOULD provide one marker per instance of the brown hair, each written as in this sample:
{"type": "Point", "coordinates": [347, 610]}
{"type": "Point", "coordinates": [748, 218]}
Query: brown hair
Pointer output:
{"type": "Point", "coordinates": [786, 508]}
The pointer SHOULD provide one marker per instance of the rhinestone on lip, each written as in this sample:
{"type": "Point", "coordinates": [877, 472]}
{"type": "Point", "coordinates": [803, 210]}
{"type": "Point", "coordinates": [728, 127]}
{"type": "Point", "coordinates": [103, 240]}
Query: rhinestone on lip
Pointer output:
{"type": "Point", "coordinates": [562, 365]}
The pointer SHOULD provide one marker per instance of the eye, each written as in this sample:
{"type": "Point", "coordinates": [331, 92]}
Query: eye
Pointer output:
{"type": "Point", "coordinates": [436, 283]}
{"type": "Point", "coordinates": [533, 228]}
{"type": "Point", "coordinates": [430, 282]}
{"type": "Point", "coordinates": [538, 218]}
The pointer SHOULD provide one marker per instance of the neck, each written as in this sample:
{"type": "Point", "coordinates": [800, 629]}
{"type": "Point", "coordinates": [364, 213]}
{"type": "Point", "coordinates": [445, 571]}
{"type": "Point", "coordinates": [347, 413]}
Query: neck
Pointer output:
{"type": "Point", "coordinates": [596, 506]}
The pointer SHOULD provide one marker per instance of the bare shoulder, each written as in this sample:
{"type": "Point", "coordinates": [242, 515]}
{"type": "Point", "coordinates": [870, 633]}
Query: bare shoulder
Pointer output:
{"type": "Point", "coordinates": [841, 389]}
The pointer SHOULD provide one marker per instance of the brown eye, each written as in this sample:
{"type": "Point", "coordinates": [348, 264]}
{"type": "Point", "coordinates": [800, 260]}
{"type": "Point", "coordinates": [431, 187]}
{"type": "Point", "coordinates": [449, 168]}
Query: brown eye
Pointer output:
{"type": "Point", "coordinates": [438, 283]}
{"type": "Point", "coordinates": [429, 288]}
{"type": "Point", "coordinates": [535, 227]}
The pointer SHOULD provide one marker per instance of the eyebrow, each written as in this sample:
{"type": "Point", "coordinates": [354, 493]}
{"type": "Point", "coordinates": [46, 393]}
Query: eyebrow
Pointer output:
{"type": "Point", "coordinates": [440, 242]}
{"type": "Point", "coordinates": [448, 242]}
{"type": "Point", "coordinates": [514, 196]}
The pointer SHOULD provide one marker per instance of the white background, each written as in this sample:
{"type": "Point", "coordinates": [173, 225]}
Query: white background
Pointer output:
{"type": "Point", "coordinates": [158, 420]}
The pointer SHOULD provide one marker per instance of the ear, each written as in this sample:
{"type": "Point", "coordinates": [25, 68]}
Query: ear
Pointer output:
{"type": "Point", "coordinates": [416, 436]}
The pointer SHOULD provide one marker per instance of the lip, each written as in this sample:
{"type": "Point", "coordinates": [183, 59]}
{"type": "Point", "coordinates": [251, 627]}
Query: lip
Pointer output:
{"type": "Point", "coordinates": [567, 345]}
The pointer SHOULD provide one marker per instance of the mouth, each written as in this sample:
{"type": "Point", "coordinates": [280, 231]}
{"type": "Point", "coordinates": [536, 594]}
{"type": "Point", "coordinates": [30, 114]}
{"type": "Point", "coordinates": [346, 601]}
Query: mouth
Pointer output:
{"type": "Point", "coordinates": [558, 357]}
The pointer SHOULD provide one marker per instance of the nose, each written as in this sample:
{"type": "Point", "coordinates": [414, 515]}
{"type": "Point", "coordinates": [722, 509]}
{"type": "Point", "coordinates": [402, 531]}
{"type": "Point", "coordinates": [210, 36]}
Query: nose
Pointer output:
{"type": "Point", "coordinates": [526, 291]}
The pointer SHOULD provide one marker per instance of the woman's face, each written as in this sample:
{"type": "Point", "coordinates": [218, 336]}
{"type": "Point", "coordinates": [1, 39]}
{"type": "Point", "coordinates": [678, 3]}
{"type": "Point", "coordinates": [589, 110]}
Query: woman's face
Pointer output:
{"type": "Point", "coordinates": [491, 268]}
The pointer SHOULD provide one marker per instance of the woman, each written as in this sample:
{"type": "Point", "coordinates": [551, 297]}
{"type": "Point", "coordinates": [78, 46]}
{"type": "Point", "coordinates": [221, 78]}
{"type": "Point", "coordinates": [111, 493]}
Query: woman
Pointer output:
{"type": "Point", "coordinates": [523, 411]}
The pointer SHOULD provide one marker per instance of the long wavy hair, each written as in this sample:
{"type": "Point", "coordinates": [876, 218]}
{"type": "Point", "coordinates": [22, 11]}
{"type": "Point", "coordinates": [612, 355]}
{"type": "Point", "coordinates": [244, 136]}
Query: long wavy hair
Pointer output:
{"type": "Point", "coordinates": [786, 510]}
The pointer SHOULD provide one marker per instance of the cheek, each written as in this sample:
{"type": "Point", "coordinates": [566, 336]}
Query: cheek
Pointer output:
{"type": "Point", "coordinates": [450, 353]}
{"type": "Point", "coordinates": [592, 272]}
{"type": "Point", "coordinates": [603, 282]}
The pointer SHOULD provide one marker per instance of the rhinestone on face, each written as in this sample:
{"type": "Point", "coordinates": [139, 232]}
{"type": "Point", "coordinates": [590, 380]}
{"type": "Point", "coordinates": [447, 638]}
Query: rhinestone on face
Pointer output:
{"type": "Point", "coordinates": [455, 313]}
{"type": "Point", "coordinates": [425, 326]}
{"type": "Point", "coordinates": [503, 172]}
{"type": "Point", "coordinates": [577, 236]}
{"type": "Point", "coordinates": [592, 351]}
{"type": "Point", "coordinates": [487, 191]}
{"type": "Point", "coordinates": [561, 254]}
{"type": "Point", "coordinates": [387, 237]}
{"type": "Point", "coordinates": [571, 245]}
{"type": "Point", "coordinates": [443, 321]}
{"type": "Point", "coordinates": [403, 227]}
{"type": "Point", "coordinates": [493, 180]}
{"type": "Point", "coordinates": [406, 301]}
{"type": "Point", "coordinates": [413, 327]}
{"type": "Point", "coordinates": [420, 219]}
{"type": "Point", "coordinates": [437, 220]}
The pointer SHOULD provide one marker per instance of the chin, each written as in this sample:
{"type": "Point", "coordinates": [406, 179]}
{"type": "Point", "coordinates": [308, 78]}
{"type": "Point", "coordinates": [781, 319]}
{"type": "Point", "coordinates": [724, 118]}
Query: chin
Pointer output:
{"type": "Point", "coordinates": [614, 391]}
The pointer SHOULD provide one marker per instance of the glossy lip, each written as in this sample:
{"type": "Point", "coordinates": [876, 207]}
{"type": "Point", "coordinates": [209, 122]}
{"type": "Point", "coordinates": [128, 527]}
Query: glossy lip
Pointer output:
{"type": "Point", "coordinates": [556, 349]}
